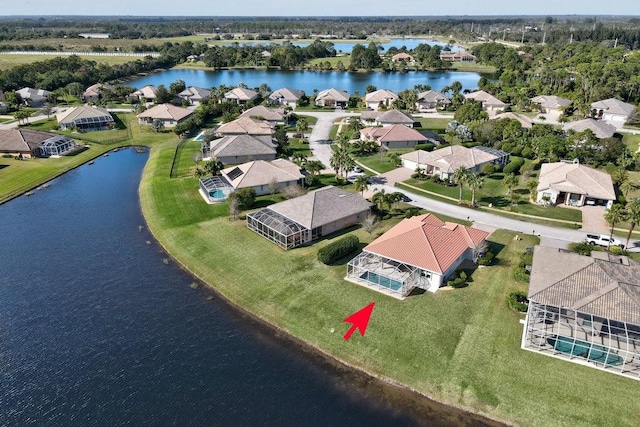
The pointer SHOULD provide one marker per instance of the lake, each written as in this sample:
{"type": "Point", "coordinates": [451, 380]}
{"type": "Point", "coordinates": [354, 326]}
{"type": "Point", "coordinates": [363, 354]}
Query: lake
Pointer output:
{"type": "Point", "coordinates": [409, 43]}
{"type": "Point", "coordinates": [309, 80]}
{"type": "Point", "coordinates": [99, 327]}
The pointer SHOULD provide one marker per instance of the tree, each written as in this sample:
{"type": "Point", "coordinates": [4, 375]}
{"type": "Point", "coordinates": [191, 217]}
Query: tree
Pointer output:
{"type": "Point", "coordinates": [273, 186]}
{"type": "Point", "coordinates": [469, 112]}
{"type": "Point", "coordinates": [301, 125]}
{"type": "Point", "coordinates": [370, 223]}
{"type": "Point", "coordinates": [245, 197]}
{"type": "Point", "coordinates": [510, 181]}
{"type": "Point", "coordinates": [314, 166]}
{"type": "Point", "coordinates": [234, 208]}
{"type": "Point", "coordinates": [177, 87]}
{"type": "Point", "coordinates": [633, 216]}
{"type": "Point", "coordinates": [475, 182]}
{"type": "Point", "coordinates": [460, 177]}
{"type": "Point", "coordinates": [22, 115]}
{"type": "Point", "coordinates": [379, 198]}
{"type": "Point", "coordinates": [614, 215]}
{"type": "Point", "coordinates": [14, 99]}
{"type": "Point", "coordinates": [213, 166]}
{"type": "Point", "coordinates": [361, 184]}
{"type": "Point", "coordinates": [157, 125]}
{"type": "Point", "coordinates": [282, 140]}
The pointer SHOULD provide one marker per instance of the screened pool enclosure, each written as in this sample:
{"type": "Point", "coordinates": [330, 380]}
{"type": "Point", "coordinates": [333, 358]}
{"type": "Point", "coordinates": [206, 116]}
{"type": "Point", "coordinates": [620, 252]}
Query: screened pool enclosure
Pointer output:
{"type": "Point", "coordinates": [215, 188]}
{"type": "Point", "coordinates": [57, 146]}
{"type": "Point", "coordinates": [279, 229]}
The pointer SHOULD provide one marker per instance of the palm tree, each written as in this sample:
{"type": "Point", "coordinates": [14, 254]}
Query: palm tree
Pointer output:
{"type": "Point", "coordinates": [614, 215]}
{"type": "Point", "coordinates": [633, 215]}
{"type": "Point", "coordinates": [298, 158]}
{"type": "Point", "coordinates": [475, 181]}
{"type": "Point", "coordinates": [460, 176]}
{"type": "Point", "coordinates": [301, 125]}
{"type": "Point", "coordinates": [510, 181]}
{"type": "Point", "coordinates": [379, 198]}
{"type": "Point", "coordinates": [361, 184]}
{"type": "Point", "coordinates": [628, 186]}
{"type": "Point", "coordinates": [314, 166]}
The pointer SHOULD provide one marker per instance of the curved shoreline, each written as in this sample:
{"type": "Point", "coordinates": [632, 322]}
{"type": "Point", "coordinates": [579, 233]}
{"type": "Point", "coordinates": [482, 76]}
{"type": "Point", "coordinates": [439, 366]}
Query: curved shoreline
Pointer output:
{"type": "Point", "coordinates": [413, 403]}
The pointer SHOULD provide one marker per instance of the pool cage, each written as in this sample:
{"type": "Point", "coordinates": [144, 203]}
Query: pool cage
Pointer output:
{"type": "Point", "coordinates": [277, 228]}
{"type": "Point", "coordinates": [215, 188]}
{"type": "Point", "coordinates": [91, 123]}
{"type": "Point", "coordinates": [386, 275]}
{"type": "Point", "coordinates": [582, 338]}
{"type": "Point", "coordinates": [57, 146]}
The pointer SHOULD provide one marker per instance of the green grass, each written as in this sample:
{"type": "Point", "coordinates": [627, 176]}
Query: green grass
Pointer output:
{"type": "Point", "coordinates": [320, 62]}
{"type": "Point", "coordinates": [461, 346]}
{"type": "Point", "coordinates": [632, 141]}
{"type": "Point", "coordinates": [473, 67]}
{"type": "Point", "coordinates": [379, 163]}
{"type": "Point", "coordinates": [437, 125]}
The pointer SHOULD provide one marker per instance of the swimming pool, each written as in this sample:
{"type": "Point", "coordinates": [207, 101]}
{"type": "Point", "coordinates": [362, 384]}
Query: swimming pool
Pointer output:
{"type": "Point", "coordinates": [598, 353]}
{"type": "Point", "coordinates": [200, 137]}
{"type": "Point", "coordinates": [383, 281]}
{"type": "Point", "coordinates": [217, 195]}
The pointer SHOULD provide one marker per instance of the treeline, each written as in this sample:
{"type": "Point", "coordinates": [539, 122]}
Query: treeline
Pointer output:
{"type": "Point", "coordinates": [583, 72]}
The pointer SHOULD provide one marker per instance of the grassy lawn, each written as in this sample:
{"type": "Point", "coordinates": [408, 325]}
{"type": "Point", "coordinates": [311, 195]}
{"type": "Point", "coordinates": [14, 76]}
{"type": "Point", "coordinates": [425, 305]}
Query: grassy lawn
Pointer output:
{"type": "Point", "coordinates": [320, 62]}
{"type": "Point", "coordinates": [377, 162]}
{"type": "Point", "coordinates": [632, 141]}
{"type": "Point", "coordinates": [473, 67]}
{"type": "Point", "coordinates": [436, 125]}
{"type": "Point", "coordinates": [461, 346]}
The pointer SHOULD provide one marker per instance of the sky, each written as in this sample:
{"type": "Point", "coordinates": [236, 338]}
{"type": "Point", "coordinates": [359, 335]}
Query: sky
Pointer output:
{"type": "Point", "coordinates": [318, 8]}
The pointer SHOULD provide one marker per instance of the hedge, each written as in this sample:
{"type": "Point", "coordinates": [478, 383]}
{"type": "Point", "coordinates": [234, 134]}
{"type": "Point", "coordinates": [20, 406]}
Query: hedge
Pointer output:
{"type": "Point", "coordinates": [514, 166]}
{"type": "Point", "coordinates": [338, 249]}
{"type": "Point", "coordinates": [518, 301]}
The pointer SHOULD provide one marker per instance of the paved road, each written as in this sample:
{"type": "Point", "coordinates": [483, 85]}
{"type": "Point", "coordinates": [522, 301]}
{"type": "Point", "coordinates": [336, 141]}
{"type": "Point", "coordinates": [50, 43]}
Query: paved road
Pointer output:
{"type": "Point", "coordinates": [319, 142]}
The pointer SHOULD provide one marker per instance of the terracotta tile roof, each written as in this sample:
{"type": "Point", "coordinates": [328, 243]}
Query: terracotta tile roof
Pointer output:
{"type": "Point", "coordinates": [242, 145]}
{"type": "Point", "coordinates": [393, 133]}
{"type": "Point", "coordinates": [599, 128]}
{"type": "Point", "coordinates": [269, 114]}
{"type": "Point", "coordinates": [607, 286]}
{"type": "Point", "coordinates": [426, 242]}
{"type": "Point", "coordinates": [380, 95]}
{"type": "Point", "coordinates": [245, 125]}
{"type": "Point", "coordinates": [551, 101]}
{"type": "Point", "coordinates": [402, 56]}
{"type": "Point", "coordinates": [321, 207]}
{"type": "Point", "coordinates": [614, 106]}
{"type": "Point", "coordinates": [260, 172]}
{"type": "Point", "coordinates": [241, 94]}
{"type": "Point", "coordinates": [576, 178]}
{"type": "Point", "coordinates": [450, 158]}
{"type": "Point", "coordinates": [166, 112]}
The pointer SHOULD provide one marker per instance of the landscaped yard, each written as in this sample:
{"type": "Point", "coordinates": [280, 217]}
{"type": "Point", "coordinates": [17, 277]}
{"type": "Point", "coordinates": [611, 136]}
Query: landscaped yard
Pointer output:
{"type": "Point", "coordinates": [461, 346]}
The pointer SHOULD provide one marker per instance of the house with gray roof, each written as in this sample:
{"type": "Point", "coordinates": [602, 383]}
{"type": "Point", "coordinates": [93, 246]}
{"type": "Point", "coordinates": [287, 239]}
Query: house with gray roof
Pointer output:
{"type": "Point", "coordinates": [614, 111]}
{"type": "Point", "coordinates": [585, 310]}
{"type": "Point", "coordinates": [96, 91]}
{"type": "Point", "coordinates": [393, 136]}
{"type": "Point", "coordinates": [551, 103]}
{"type": "Point", "coordinates": [306, 218]}
{"type": "Point", "coordinates": [168, 114]}
{"type": "Point", "coordinates": [385, 118]}
{"type": "Point", "coordinates": [333, 98]}
{"type": "Point", "coordinates": [380, 98]}
{"type": "Point", "coordinates": [431, 100]}
{"type": "Point", "coordinates": [285, 97]}
{"type": "Point", "coordinates": [260, 112]}
{"type": "Point", "coordinates": [195, 95]}
{"type": "Point", "coordinates": [489, 103]}
{"type": "Point", "coordinates": [28, 143]}
{"type": "Point", "coordinates": [34, 97]}
{"type": "Point", "coordinates": [599, 128]}
{"type": "Point", "coordinates": [240, 95]}
{"type": "Point", "coordinates": [261, 175]}
{"type": "Point", "coordinates": [234, 149]}
{"type": "Point", "coordinates": [245, 125]}
{"type": "Point", "coordinates": [85, 118]}
{"type": "Point", "coordinates": [573, 184]}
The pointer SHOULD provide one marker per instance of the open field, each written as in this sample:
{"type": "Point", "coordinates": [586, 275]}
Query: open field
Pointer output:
{"type": "Point", "coordinates": [460, 346]}
{"type": "Point", "coordinates": [10, 60]}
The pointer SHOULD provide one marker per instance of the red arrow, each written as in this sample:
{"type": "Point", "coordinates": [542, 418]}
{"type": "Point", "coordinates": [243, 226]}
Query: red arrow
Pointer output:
{"type": "Point", "coordinates": [360, 320]}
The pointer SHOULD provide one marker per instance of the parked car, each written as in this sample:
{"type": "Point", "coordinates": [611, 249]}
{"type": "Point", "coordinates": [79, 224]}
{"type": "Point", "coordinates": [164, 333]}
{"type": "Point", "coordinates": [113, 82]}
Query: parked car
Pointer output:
{"type": "Point", "coordinates": [353, 176]}
{"type": "Point", "coordinates": [603, 240]}
{"type": "Point", "coordinates": [357, 169]}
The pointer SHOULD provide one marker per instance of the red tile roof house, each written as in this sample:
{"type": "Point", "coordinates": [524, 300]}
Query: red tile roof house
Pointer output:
{"type": "Point", "coordinates": [169, 114]}
{"type": "Point", "coordinates": [418, 252]}
{"type": "Point", "coordinates": [394, 136]}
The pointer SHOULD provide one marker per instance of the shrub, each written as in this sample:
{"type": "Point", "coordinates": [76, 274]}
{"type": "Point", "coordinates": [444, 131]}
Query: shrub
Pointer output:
{"type": "Point", "coordinates": [426, 147]}
{"type": "Point", "coordinates": [338, 249]}
{"type": "Point", "coordinates": [518, 301]}
{"type": "Point", "coordinates": [485, 259]}
{"type": "Point", "coordinates": [489, 169]}
{"type": "Point", "coordinates": [582, 248]}
{"type": "Point", "coordinates": [521, 274]}
{"type": "Point", "coordinates": [617, 250]}
{"type": "Point", "coordinates": [514, 166]}
{"type": "Point", "coordinates": [245, 197]}
{"type": "Point", "coordinates": [458, 282]}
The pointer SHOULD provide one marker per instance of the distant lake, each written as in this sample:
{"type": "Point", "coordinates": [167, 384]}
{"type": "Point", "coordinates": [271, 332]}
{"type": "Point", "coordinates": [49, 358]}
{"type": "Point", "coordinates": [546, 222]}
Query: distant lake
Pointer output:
{"type": "Point", "coordinates": [309, 80]}
{"type": "Point", "coordinates": [397, 43]}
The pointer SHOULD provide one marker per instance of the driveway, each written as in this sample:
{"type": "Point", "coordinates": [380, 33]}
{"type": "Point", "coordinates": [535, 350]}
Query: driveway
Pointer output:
{"type": "Point", "coordinates": [593, 219]}
{"type": "Point", "coordinates": [319, 141]}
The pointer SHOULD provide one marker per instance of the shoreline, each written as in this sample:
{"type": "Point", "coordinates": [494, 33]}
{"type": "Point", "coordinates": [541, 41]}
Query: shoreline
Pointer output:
{"type": "Point", "coordinates": [394, 392]}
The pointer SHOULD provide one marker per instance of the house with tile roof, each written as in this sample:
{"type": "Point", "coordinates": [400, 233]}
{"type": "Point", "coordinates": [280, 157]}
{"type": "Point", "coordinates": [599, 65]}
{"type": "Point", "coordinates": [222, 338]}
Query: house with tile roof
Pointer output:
{"type": "Point", "coordinates": [461, 56]}
{"type": "Point", "coordinates": [551, 103]}
{"type": "Point", "coordinates": [146, 94]}
{"type": "Point", "coordinates": [303, 219]}
{"type": "Point", "coordinates": [272, 115]}
{"type": "Point", "coordinates": [431, 100]}
{"type": "Point", "coordinates": [85, 118]}
{"type": "Point", "coordinates": [380, 98]}
{"type": "Point", "coordinates": [444, 161]}
{"type": "Point", "coordinates": [599, 128]}
{"type": "Point", "coordinates": [402, 57]}
{"type": "Point", "coordinates": [614, 111]}
{"type": "Point", "coordinates": [385, 118]}
{"type": "Point", "coordinates": [285, 97]}
{"type": "Point", "coordinates": [394, 136]}
{"type": "Point", "coordinates": [333, 98]}
{"type": "Point", "coordinates": [168, 114]}
{"type": "Point", "coordinates": [418, 252]}
{"type": "Point", "coordinates": [585, 310]}
{"type": "Point", "coordinates": [96, 91]}
{"type": "Point", "coordinates": [195, 95]}
{"type": "Point", "coordinates": [524, 121]}
{"type": "Point", "coordinates": [235, 149]}
{"type": "Point", "coordinates": [489, 103]}
{"type": "Point", "coordinates": [240, 95]}
{"type": "Point", "coordinates": [245, 125]}
{"type": "Point", "coordinates": [259, 175]}
{"type": "Point", "coordinates": [28, 143]}
{"type": "Point", "coordinates": [34, 97]}
{"type": "Point", "coordinates": [573, 184]}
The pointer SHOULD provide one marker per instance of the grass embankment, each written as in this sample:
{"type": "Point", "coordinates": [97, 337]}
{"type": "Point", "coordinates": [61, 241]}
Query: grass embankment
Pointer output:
{"type": "Point", "coordinates": [461, 346]}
